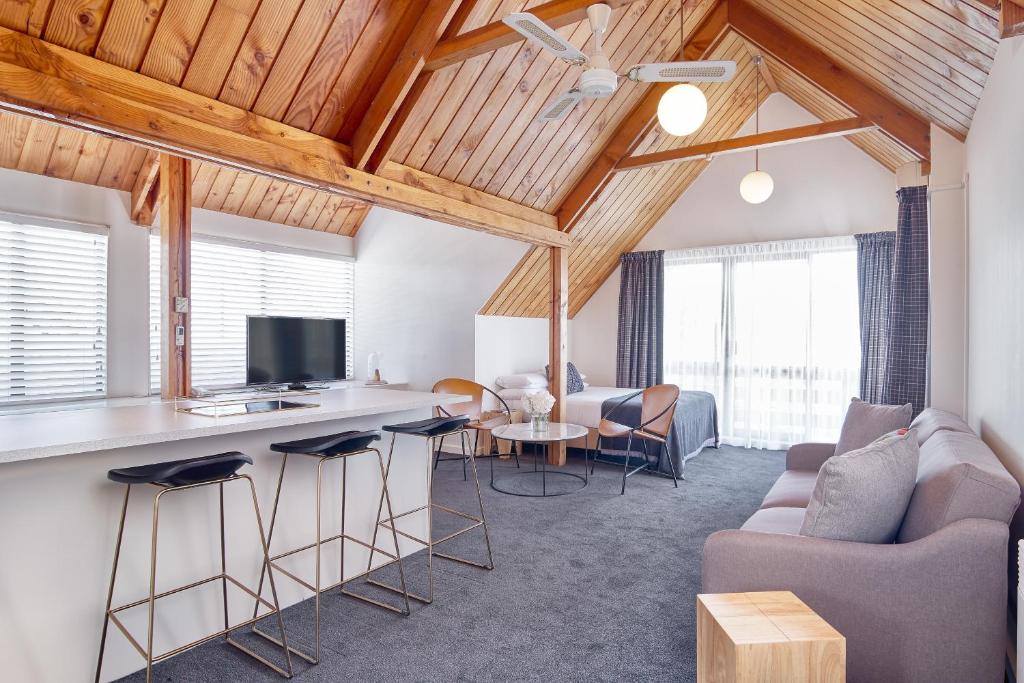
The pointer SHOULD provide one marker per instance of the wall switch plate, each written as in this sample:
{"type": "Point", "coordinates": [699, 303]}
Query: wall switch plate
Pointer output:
{"type": "Point", "coordinates": [179, 335]}
{"type": "Point", "coordinates": [181, 304]}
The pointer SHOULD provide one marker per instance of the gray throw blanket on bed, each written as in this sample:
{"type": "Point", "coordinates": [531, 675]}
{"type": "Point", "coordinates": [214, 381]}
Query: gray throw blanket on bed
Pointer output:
{"type": "Point", "coordinates": [694, 426]}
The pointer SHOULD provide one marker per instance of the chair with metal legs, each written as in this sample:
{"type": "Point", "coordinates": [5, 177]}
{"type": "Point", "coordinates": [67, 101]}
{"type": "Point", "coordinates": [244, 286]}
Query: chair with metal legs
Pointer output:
{"type": "Point", "coordinates": [172, 477]}
{"type": "Point", "coordinates": [432, 430]}
{"type": "Point", "coordinates": [473, 409]}
{"type": "Point", "coordinates": [326, 449]}
{"type": "Point", "coordinates": [658, 408]}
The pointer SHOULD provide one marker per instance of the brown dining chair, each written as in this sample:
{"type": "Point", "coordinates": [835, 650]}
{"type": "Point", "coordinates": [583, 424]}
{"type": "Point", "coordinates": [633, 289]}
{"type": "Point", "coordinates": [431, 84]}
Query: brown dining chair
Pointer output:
{"type": "Point", "coordinates": [473, 409]}
{"type": "Point", "coordinates": [657, 411]}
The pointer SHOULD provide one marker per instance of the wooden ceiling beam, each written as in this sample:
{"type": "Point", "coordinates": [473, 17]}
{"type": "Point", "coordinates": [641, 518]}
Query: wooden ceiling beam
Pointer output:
{"type": "Point", "coordinates": [385, 148]}
{"type": "Point", "coordinates": [899, 122]}
{"type": "Point", "coordinates": [48, 81]}
{"type": "Point", "coordinates": [1011, 18]}
{"type": "Point", "coordinates": [774, 138]}
{"type": "Point", "coordinates": [490, 37]}
{"type": "Point", "coordinates": [145, 191]}
{"type": "Point", "coordinates": [430, 26]}
{"type": "Point", "coordinates": [637, 124]}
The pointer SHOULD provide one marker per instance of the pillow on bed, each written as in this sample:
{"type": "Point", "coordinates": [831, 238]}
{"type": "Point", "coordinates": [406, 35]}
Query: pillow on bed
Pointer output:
{"type": "Point", "coordinates": [573, 379]}
{"type": "Point", "coordinates": [526, 380]}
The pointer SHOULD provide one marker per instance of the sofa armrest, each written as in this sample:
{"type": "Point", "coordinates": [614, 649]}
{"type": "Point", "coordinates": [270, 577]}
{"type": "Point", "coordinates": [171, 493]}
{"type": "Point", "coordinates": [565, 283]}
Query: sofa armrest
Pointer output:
{"type": "Point", "coordinates": [809, 456]}
{"type": "Point", "coordinates": [933, 609]}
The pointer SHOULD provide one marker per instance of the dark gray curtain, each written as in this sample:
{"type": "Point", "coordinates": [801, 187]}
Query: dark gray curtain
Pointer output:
{"type": "Point", "coordinates": [906, 359]}
{"type": "Point", "coordinates": [641, 312]}
{"type": "Point", "coordinates": [875, 253]}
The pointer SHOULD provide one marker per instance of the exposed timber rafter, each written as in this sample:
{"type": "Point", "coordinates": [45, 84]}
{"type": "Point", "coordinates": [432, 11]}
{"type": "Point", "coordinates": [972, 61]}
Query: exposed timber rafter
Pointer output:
{"type": "Point", "coordinates": [385, 147]}
{"type": "Point", "coordinates": [431, 25]}
{"type": "Point", "coordinates": [900, 123]}
{"type": "Point", "coordinates": [1011, 18]}
{"type": "Point", "coordinates": [637, 123]}
{"type": "Point", "coordinates": [774, 138]}
{"type": "Point", "coordinates": [45, 80]}
{"type": "Point", "coordinates": [145, 191]}
{"type": "Point", "coordinates": [490, 37]}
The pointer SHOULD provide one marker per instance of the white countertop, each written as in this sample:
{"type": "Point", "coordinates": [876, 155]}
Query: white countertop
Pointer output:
{"type": "Point", "coordinates": [48, 434]}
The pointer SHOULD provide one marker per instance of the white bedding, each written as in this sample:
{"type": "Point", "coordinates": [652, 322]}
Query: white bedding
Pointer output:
{"type": "Point", "coordinates": [584, 407]}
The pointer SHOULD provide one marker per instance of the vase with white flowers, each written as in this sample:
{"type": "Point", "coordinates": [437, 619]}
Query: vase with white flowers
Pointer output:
{"type": "Point", "coordinates": [538, 405]}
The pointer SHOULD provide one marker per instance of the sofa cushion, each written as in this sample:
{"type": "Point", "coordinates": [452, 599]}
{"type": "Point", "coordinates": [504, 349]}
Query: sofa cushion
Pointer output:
{"type": "Point", "coordinates": [932, 420]}
{"type": "Point", "coordinates": [959, 478]}
{"type": "Point", "coordinates": [792, 490]}
{"type": "Point", "coordinates": [862, 495]}
{"type": "Point", "coordinates": [865, 422]}
{"type": "Point", "coordinates": [775, 521]}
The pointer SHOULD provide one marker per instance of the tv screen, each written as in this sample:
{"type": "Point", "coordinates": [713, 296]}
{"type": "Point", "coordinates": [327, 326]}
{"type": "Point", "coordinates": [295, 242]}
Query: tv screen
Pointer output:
{"type": "Point", "coordinates": [294, 350]}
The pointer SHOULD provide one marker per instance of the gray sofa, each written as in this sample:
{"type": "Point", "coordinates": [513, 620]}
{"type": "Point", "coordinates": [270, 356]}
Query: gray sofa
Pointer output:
{"type": "Point", "coordinates": [930, 607]}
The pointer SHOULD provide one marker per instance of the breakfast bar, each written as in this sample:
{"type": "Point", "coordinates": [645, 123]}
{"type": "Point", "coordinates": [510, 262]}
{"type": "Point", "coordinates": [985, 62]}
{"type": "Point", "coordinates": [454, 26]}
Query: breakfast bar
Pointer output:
{"type": "Point", "coordinates": [60, 515]}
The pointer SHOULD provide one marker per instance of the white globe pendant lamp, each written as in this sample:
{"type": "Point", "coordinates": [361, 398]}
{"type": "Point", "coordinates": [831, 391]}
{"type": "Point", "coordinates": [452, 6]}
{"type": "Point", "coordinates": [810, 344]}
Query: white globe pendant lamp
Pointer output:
{"type": "Point", "coordinates": [757, 186]}
{"type": "Point", "coordinates": [682, 109]}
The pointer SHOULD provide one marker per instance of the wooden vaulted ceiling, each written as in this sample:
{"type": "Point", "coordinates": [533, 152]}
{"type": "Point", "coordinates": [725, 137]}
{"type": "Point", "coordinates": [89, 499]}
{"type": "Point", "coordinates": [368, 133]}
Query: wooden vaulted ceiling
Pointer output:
{"type": "Point", "coordinates": [317, 65]}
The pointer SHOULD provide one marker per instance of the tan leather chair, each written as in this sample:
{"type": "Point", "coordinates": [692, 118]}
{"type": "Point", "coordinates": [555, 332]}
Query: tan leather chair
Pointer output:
{"type": "Point", "coordinates": [474, 410]}
{"type": "Point", "coordinates": [658, 408]}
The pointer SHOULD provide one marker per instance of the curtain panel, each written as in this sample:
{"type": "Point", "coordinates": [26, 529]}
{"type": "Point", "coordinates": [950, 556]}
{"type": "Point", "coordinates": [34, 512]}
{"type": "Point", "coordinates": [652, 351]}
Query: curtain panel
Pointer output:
{"type": "Point", "coordinates": [771, 330]}
{"type": "Point", "coordinates": [640, 354]}
{"type": "Point", "coordinates": [906, 359]}
{"type": "Point", "coordinates": [875, 254]}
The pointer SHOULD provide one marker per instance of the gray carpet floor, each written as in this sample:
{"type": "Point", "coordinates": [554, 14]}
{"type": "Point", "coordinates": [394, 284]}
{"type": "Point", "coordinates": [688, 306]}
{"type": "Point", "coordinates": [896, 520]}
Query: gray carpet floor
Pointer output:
{"type": "Point", "coordinates": [589, 586]}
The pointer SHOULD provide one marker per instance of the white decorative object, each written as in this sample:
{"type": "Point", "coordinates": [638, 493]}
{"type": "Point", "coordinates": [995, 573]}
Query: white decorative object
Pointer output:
{"type": "Point", "coordinates": [538, 405]}
{"type": "Point", "coordinates": [756, 187]}
{"type": "Point", "coordinates": [682, 109]}
{"type": "Point", "coordinates": [373, 369]}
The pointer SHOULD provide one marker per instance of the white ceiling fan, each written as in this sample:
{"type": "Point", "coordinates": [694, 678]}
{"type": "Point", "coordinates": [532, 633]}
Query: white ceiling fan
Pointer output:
{"type": "Point", "coordinates": [598, 80]}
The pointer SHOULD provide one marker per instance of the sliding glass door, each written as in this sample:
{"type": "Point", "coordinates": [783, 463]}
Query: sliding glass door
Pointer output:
{"type": "Point", "coordinates": [770, 329]}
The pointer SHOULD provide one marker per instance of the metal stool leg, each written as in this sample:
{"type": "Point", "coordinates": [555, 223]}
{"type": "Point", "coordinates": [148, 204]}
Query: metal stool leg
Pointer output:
{"type": "Point", "coordinates": [152, 587]}
{"type": "Point", "coordinates": [113, 576]}
{"type": "Point", "coordinates": [270, 532]}
{"type": "Point", "coordinates": [264, 542]}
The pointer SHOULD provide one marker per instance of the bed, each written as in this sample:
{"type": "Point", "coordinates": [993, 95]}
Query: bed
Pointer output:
{"type": "Point", "coordinates": [694, 427]}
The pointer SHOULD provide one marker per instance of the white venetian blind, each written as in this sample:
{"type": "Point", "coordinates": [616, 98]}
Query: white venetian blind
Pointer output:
{"type": "Point", "coordinates": [53, 310]}
{"type": "Point", "coordinates": [233, 280]}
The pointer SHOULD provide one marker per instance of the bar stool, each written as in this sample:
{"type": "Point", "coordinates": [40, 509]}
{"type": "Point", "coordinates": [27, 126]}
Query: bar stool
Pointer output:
{"type": "Point", "coordinates": [432, 430]}
{"type": "Point", "coordinates": [171, 477]}
{"type": "Point", "coordinates": [325, 449]}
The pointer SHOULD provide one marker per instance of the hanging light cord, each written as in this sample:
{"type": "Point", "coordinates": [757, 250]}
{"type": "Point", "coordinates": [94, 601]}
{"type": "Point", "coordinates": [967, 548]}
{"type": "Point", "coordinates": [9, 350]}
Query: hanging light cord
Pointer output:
{"type": "Point", "coordinates": [757, 109]}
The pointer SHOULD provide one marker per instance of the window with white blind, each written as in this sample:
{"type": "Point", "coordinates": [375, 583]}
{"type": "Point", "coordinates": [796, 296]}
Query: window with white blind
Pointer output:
{"type": "Point", "coordinates": [53, 310]}
{"type": "Point", "coordinates": [232, 280]}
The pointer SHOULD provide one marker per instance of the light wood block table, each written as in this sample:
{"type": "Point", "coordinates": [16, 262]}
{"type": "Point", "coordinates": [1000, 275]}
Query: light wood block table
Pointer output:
{"type": "Point", "coordinates": [765, 637]}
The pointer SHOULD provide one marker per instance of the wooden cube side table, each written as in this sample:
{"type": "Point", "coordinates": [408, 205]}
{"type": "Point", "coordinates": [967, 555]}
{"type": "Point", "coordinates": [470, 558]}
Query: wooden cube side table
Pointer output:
{"type": "Point", "coordinates": [762, 637]}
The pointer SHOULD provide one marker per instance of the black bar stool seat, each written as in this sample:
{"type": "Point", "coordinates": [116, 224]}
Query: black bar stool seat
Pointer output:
{"type": "Point", "coordinates": [430, 427]}
{"type": "Point", "coordinates": [182, 472]}
{"type": "Point", "coordinates": [333, 444]}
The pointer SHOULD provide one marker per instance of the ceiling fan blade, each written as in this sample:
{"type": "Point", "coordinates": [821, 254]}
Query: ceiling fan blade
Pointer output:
{"type": "Point", "coordinates": [540, 33]}
{"type": "Point", "coordinates": [683, 72]}
{"type": "Point", "coordinates": [562, 106]}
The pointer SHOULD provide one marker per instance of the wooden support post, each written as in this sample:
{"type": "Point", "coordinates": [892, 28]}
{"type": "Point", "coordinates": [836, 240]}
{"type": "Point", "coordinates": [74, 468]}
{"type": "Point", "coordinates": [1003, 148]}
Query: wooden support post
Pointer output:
{"type": "Point", "coordinates": [558, 332]}
{"type": "Point", "coordinates": [175, 274]}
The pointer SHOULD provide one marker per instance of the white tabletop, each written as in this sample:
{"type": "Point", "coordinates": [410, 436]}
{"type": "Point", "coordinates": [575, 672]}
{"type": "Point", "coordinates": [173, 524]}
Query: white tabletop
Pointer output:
{"type": "Point", "coordinates": [49, 434]}
{"type": "Point", "coordinates": [556, 431]}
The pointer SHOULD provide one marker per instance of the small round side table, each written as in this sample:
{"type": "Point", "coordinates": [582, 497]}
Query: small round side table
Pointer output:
{"type": "Point", "coordinates": [534, 483]}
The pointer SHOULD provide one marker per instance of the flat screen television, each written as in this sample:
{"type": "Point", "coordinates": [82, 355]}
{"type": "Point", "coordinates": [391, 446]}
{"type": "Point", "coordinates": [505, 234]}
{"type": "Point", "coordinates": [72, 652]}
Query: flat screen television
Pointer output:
{"type": "Point", "coordinates": [293, 351]}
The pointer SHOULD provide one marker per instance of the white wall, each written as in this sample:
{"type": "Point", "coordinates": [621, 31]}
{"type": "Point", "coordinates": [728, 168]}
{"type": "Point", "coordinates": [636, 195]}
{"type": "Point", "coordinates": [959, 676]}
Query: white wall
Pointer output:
{"type": "Point", "coordinates": [419, 284]}
{"type": "Point", "coordinates": [995, 167]}
{"type": "Point", "coordinates": [822, 188]}
{"type": "Point", "coordinates": [128, 258]}
{"type": "Point", "coordinates": [948, 274]}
